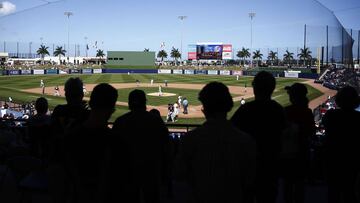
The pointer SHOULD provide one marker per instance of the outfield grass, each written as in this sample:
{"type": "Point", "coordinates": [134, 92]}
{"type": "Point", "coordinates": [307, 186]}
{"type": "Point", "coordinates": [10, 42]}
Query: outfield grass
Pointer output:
{"type": "Point", "coordinates": [12, 86]}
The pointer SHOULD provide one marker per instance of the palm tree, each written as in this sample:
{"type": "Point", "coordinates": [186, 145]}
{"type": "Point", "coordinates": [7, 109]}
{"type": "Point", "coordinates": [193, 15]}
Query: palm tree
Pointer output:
{"type": "Point", "coordinates": [272, 56]}
{"type": "Point", "coordinates": [243, 54]}
{"type": "Point", "coordinates": [175, 54]}
{"type": "Point", "coordinates": [257, 56]}
{"type": "Point", "coordinates": [305, 54]}
{"type": "Point", "coordinates": [43, 51]}
{"type": "Point", "coordinates": [288, 56]}
{"type": "Point", "coordinates": [162, 54]}
{"type": "Point", "coordinates": [146, 50]}
{"type": "Point", "coordinates": [100, 53]}
{"type": "Point", "coordinates": [59, 51]}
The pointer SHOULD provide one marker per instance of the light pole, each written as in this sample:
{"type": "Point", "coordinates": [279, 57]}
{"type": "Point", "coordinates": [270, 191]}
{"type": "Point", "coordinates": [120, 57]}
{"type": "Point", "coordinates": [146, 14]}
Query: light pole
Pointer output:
{"type": "Point", "coordinates": [86, 46]}
{"type": "Point", "coordinates": [30, 43]}
{"type": "Point", "coordinates": [251, 15]}
{"type": "Point", "coordinates": [68, 14]}
{"type": "Point", "coordinates": [182, 18]}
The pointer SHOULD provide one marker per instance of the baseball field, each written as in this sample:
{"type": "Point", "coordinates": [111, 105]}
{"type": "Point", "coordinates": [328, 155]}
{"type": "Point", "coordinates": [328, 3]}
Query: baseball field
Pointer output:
{"type": "Point", "coordinates": [27, 88]}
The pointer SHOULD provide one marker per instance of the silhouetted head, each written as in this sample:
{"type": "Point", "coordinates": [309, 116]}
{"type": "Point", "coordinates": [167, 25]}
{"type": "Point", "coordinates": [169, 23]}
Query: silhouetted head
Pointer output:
{"type": "Point", "coordinates": [41, 105]}
{"type": "Point", "coordinates": [103, 96]}
{"type": "Point", "coordinates": [215, 98]}
{"type": "Point", "coordinates": [264, 85]}
{"type": "Point", "coordinates": [74, 91]}
{"type": "Point", "coordinates": [347, 98]}
{"type": "Point", "coordinates": [155, 112]}
{"type": "Point", "coordinates": [297, 94]}
{"type": "Point", "coordinates": [137, 100]}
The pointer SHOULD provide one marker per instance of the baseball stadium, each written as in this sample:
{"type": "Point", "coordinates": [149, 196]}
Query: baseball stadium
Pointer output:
{"type": "Point", "coordinates": [255, 101]}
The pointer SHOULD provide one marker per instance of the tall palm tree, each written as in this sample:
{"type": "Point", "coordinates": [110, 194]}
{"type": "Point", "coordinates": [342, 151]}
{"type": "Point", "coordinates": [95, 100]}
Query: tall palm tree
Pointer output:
{"type": "Point", "coordinates": [146, 50]}
{"type": "Point", "coordinates": [162, 54]}
{"type": "Point", "coordinates": [272, 56]}
{"type": "Point", "coordinates": [257, 56]}
{"type": "Point", "coordinates": [288, 56]}
{"type": "Point", "coordinates": [100, 53]}
{"type": "Point", "coordinates": [243, 54]}
{"type": "Point", "coordinates": [305, 54]}
{"type": "Point", "coordinates": [175, 54]}
{"type": "Point", "coordinates": [59, 51]}
{"type": "Point", "coordinates": [43, 51]}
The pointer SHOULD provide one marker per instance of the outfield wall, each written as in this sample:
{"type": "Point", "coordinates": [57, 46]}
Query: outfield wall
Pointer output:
{"type": "Point", "coordinates": [287, 74]}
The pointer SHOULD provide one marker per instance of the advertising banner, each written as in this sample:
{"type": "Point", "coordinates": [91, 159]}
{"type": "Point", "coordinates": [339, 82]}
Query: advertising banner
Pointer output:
{"type": "Point", "coordinates": [86, 71]}
{"type": "Point", "coordinates": [14, 72]}
{"type": "Point", "coordinates": [189, 72]}
{"type": "Point", "coordinates": [25, 72]}
{"type": "Point", "coordinates": [97, 70]}
{"type": "Point", "coordinates": [200, 72]}
{"type": "Point", "coordinates": [177, 71]}
{"type": "Point", "coordinates": [72, 71]}
{"type": "Point", "coordinates": [62, 72]}
{"type": "Point", "coordinates": [227, 48]}
{"type": "Point", "coordinates": [237, 72]}
{"type": "Point", "coordinates": [212, 72]}
{"type": "Point", "coordinates": [227, 51]}
{"type": "Point", "coordinates": [227, 55]}
{"type": "Point", "coordinates": [51, 71]}
{"type": "Point", "coordinates": [38, 72]}
{"type": "Point", "coordinates": [292, 74]}
{"type": "Point", "coordinates": [225, 72]}
{"type": "Point", "coordinates": [192, 55]}
{"type": "Point", "coordinates": [164, 71]}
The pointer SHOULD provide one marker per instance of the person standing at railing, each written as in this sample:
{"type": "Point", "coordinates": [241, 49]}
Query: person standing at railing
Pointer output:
{"type": "Point", "coordinates": [216, 160]}
{"type": "Point", "coordinates": [147, 140]}
{"type": "Point", "coordinates": [342, 146]}
{"type": "Point", "coordinates": [264, 120]}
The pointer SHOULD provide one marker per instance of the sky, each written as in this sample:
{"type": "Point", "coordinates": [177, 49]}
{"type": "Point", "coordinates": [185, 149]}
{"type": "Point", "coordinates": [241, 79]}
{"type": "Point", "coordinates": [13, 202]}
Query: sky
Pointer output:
{"type": "Point", "coordinates": [132, 25]}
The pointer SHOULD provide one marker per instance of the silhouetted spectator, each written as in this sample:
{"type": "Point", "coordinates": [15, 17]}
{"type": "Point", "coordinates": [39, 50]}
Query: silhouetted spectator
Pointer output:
{"type": "Point", "coordinates": [147, 138]}
{"type": "Point", "coordinates": [264, 120]}
{"type": "Point", "coordinates": [86, 145]}
{"type": "Point", "coordinates": [217, 160]}
{"type": "Point", "coordinates": [74, 110]}
{"type": "Point", "coordinates": [296, 138]}
{"type": "Point", "coordinates": [39, 129]}
{"type": "Point", "coordinates": [62, 119]}
{"type": "Point", "coordinates": [155, 112]}
{"type": "Point", "coordinates": [342, 145]}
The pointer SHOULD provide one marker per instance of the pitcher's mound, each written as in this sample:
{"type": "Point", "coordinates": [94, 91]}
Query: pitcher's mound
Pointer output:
{"type": "Point", "coordinates": [164, 94]}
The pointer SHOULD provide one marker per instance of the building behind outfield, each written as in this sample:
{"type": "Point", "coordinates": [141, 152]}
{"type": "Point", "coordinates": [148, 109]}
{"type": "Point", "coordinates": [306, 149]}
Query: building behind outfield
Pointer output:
{"type": "Point", "coordinates": [130, 59]}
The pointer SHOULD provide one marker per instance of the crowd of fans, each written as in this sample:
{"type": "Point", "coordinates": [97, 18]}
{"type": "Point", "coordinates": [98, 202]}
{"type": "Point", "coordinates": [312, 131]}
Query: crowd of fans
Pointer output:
{"type": "Point", "coordinates": [236, 160]}
{"type": "Point", "coordinates": [337, 78]}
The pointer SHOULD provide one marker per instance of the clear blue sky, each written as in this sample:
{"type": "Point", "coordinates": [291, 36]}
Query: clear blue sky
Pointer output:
{"type": "Point", "coordinates": [139, 24]}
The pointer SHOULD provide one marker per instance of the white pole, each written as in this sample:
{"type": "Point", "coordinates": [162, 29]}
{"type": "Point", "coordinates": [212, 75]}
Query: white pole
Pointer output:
{"type": "Point", "coordinates": [251, 15]}
{"type": "Point", "coordinates": [68, 14]}
{"type": "Point", "coordinates": [182, 18]}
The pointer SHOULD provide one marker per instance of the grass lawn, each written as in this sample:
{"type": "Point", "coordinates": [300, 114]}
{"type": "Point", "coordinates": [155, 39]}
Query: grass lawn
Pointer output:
{"type": "Point", "coordinates": [12, 86]}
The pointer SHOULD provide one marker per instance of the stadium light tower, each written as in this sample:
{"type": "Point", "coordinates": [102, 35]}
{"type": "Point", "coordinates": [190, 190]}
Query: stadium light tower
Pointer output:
{"type": "Point", "coordinates": [86, 46]}
{"type": "Point", "coordinates": [68, 14]}
{"type": "Point", "coordinates": [251, 15]}
{"type": "Point", "coordinates": [182, 18]}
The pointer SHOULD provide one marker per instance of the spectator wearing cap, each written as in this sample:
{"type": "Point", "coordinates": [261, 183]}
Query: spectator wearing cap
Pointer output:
{"type": "Point", "coordinates": [216, 159]}
{"type": "Point", "coordinates": [296, 142]}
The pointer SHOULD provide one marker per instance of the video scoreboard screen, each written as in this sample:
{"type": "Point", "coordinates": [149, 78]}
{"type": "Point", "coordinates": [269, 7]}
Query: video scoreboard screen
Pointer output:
{"type": "Point", "coordinates": [209, 51]}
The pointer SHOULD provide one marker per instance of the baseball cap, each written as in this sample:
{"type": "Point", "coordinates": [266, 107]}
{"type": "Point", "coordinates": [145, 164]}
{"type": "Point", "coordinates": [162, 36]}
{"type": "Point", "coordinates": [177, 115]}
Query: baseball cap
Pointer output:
{"type": "Point", "coordinates": [297, 89]}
